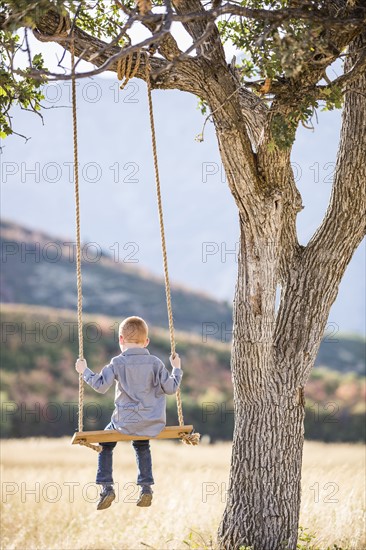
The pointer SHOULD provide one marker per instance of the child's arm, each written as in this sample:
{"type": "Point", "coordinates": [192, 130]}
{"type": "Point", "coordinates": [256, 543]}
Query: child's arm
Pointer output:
{"type": "Point", "coordinates": [99, 382]}
{"type": "Point", "coordinates": [170, 382]}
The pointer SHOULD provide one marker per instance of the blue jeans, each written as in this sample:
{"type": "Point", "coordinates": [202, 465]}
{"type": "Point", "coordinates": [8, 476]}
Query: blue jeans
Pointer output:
{"type": "Point", "coordinates": [143, 460]}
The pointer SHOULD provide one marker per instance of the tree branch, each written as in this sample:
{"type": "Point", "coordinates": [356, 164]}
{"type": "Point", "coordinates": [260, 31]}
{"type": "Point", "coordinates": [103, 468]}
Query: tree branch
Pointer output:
{"type": "Point", "coordinates": [322, 263]}
{"type": "Point", "coordinates": [343, 226]}
{"type": "Point", "coordinates": [168, 46]}
{"type": "Point", "coordinates": [184, 74]}
{"type": "Point", "coordinates": [196, 26]}
{"type": "Point", "coordinates": [275, 167]}
{"type": "Point", "coordinates": [345, 79]}
{"type": "Point", "coordinates": [354, 16]}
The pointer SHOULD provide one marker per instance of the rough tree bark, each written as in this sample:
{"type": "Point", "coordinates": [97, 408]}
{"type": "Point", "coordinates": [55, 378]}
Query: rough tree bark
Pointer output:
{"type": "Point", "coordinates": [272, 354]}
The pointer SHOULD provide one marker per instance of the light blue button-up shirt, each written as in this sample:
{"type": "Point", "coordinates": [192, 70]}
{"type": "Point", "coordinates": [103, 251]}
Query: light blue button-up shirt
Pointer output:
{"type": "Point", "coordinates": [142, 381]}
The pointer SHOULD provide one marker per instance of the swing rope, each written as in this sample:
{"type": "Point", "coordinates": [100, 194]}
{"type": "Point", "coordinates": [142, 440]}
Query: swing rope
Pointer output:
{"type": "Point", "coordinates": [188, 439]}
{"type": "Point", "coordinates": [97, 448]}
{"type": "Point", "coordinates": [127, 69]}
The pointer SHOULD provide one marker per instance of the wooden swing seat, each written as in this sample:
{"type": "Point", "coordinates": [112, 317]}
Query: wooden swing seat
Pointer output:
{"type": "Point", "coordinates": [111, 436]}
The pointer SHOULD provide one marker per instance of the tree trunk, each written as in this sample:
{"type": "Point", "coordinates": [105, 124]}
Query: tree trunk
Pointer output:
{"type": "Point", "coordinates": [263, 502]}
{"type": "Point", "coordinates": [263, 505]}
{"type": "Point", "coordinates": [273, 354]}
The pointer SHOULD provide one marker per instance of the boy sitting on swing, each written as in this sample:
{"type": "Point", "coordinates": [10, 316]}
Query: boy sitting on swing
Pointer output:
{"type": "Point", "coordinates": [140, 404]}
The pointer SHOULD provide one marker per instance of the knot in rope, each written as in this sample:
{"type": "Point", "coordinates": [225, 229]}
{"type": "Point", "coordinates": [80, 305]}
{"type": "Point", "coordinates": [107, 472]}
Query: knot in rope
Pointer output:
{"type": "Point", "coordinates": [144, 6]}
{"type": "Point", "coordinates": [97, 448]}
{"type": "Point", "coordinates": [127, 67]}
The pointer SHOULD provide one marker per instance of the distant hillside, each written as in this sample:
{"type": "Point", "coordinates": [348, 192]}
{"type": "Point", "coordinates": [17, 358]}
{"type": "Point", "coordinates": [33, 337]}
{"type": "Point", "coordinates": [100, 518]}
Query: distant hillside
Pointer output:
{"type": "Point", "coordinates": [40, 269]}
{"type": "Point", "coordinates": [39, 348]}
{"type": "Point", "coordinates": [343, 353]}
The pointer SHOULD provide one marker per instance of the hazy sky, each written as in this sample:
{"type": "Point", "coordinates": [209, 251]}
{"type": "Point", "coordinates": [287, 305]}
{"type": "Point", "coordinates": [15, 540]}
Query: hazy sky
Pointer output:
{"type": "Point", "coordinates": [117, 191]}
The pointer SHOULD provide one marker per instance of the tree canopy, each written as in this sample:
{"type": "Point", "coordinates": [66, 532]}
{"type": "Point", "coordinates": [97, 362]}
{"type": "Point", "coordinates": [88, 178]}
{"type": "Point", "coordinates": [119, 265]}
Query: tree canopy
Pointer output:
{"type": "Point", "coordinates": [284, 48]}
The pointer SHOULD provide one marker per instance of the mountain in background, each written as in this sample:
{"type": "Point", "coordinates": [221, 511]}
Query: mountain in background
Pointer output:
{"type": "Point", "coordinates": [39, 269]}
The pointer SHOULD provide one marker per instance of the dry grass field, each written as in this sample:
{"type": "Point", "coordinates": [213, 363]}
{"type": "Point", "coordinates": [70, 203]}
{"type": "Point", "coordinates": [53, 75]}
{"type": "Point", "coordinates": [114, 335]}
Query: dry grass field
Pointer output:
{"type": "Point", "coordinates": [48, 497]}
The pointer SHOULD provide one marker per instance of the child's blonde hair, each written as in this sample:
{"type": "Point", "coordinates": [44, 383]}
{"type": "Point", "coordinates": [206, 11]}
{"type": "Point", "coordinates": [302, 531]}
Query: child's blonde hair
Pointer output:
{"type": "Point", "coordinates": [134, 330]}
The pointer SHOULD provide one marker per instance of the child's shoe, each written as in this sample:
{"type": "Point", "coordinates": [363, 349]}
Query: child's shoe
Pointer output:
{"type": "Point", "coordinates": [145, 497]}
{"type": "Point", "coordinates": [107, 496]}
